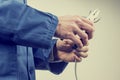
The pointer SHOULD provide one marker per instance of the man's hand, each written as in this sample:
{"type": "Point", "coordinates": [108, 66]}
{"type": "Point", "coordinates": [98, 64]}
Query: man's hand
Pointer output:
{"type": "Point", "coordinates": [67, 54]}
{"type": "Point", "coordinates": [70, 26]}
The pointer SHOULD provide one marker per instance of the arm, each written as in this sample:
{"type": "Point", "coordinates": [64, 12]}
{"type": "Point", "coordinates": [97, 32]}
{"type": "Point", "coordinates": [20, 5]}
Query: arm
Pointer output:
{"type": "Point", "coordinates": [23, 25]}
{"type": "Point", "coordinates": [41, 59]}
{"type": "Point", "coordinates": [62, 54]}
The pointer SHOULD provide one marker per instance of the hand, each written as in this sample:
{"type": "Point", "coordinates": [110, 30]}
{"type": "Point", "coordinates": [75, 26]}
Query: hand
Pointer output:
{"type": "Point", "coordinates": [67, 54]}
{"type": "Point", "coordinates": [70, 26]}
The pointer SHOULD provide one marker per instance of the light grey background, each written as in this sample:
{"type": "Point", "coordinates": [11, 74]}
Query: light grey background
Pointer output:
{"type": "Point", "coordinates": [103, 62]}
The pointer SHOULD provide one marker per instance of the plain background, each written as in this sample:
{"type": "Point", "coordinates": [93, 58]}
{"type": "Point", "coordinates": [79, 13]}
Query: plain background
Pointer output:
{"type": "Point", "coordinates": [103, 62]}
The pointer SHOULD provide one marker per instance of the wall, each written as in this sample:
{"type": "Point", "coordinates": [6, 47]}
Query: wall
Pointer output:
{"type": "Point", "coordinates": [103, 62]}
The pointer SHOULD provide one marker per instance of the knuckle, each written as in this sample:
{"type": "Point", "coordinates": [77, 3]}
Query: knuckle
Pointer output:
{"type": "Point", "coordinates": [92, 24]}
{"type": "Point", "coordinates": [85, 36]}
{"type": "Point", "coordinates": [84, 49]}
{"type": "Point", "coordinates": [73, 25]}
{"type": "Point", "coordinates": [92, 29]}
{"type": "Point", "coordinates": [80, 60]}
{"type": "Point", "coordinates": [69, 34]}
{"type": "Point", "coordinates": [81, 44]}
{"type": "Point", "coordinates": [77, 18]}
{"type": "Point", "coordinates": [86, 55]}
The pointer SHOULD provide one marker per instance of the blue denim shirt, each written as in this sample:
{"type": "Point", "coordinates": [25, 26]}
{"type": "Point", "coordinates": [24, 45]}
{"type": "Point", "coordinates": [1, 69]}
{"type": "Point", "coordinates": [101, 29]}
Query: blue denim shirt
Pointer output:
{"type": "Point", "coordinates": [25, 41]}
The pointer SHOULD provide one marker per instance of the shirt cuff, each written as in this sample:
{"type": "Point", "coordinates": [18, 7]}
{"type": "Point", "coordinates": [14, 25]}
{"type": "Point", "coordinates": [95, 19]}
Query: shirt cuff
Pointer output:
{"type": "Point", "coordinates": [53, 58]}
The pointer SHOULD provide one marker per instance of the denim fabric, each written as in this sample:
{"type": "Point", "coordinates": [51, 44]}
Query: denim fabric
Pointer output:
{"type": "Point", "coordinates": [25, 40]}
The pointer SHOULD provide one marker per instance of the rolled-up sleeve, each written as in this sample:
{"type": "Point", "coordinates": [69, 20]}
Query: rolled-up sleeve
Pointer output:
{"type": "Point", "coordinates": [24, 25]}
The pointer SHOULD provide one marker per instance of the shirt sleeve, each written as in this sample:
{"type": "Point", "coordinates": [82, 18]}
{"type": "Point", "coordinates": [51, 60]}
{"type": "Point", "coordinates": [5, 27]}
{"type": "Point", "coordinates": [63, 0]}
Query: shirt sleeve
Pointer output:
{"type": "Point", "coordinates": [21, 24]}
{"type": "Point", "coordinates": [42, 61]}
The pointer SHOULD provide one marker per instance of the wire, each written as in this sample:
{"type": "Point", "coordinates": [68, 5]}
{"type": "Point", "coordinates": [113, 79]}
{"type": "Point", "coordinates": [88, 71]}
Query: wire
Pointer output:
{"type": "Point", "coordinates": [76, 77]}
{"type": "Point", "coordinates": [93, 16]}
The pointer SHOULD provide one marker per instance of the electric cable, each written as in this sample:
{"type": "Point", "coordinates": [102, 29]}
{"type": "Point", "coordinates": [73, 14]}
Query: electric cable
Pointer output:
{"type": "Point", "coordinates": [75, 70]}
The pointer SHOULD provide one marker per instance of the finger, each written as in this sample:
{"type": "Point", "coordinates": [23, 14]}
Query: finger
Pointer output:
{"type": "Point", "coordinates": [80, 54]}
{"type": "Point", "coordinates": [90, 35]}
{"type": "Point", "coordinates": [87, 28]}
{"type": "Point", "coordinates": [87, 21]}
{"type": "Point", "coordinates": [68, 42]}
{"type": "Point", "coordinates": [75, 40]}
{"type": "Point", "coordinates": [83, 49]}
{"type": "Point", "coordinates": [90, 23]}
{"type": "Point", "coordinates": [63, 46]}
{"type": "Point", "coordinates": [82, 36]}
{"type": "Point", "coordinates": [77, 59]}
{"type": "Point", "coordinates": [84, 55]}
